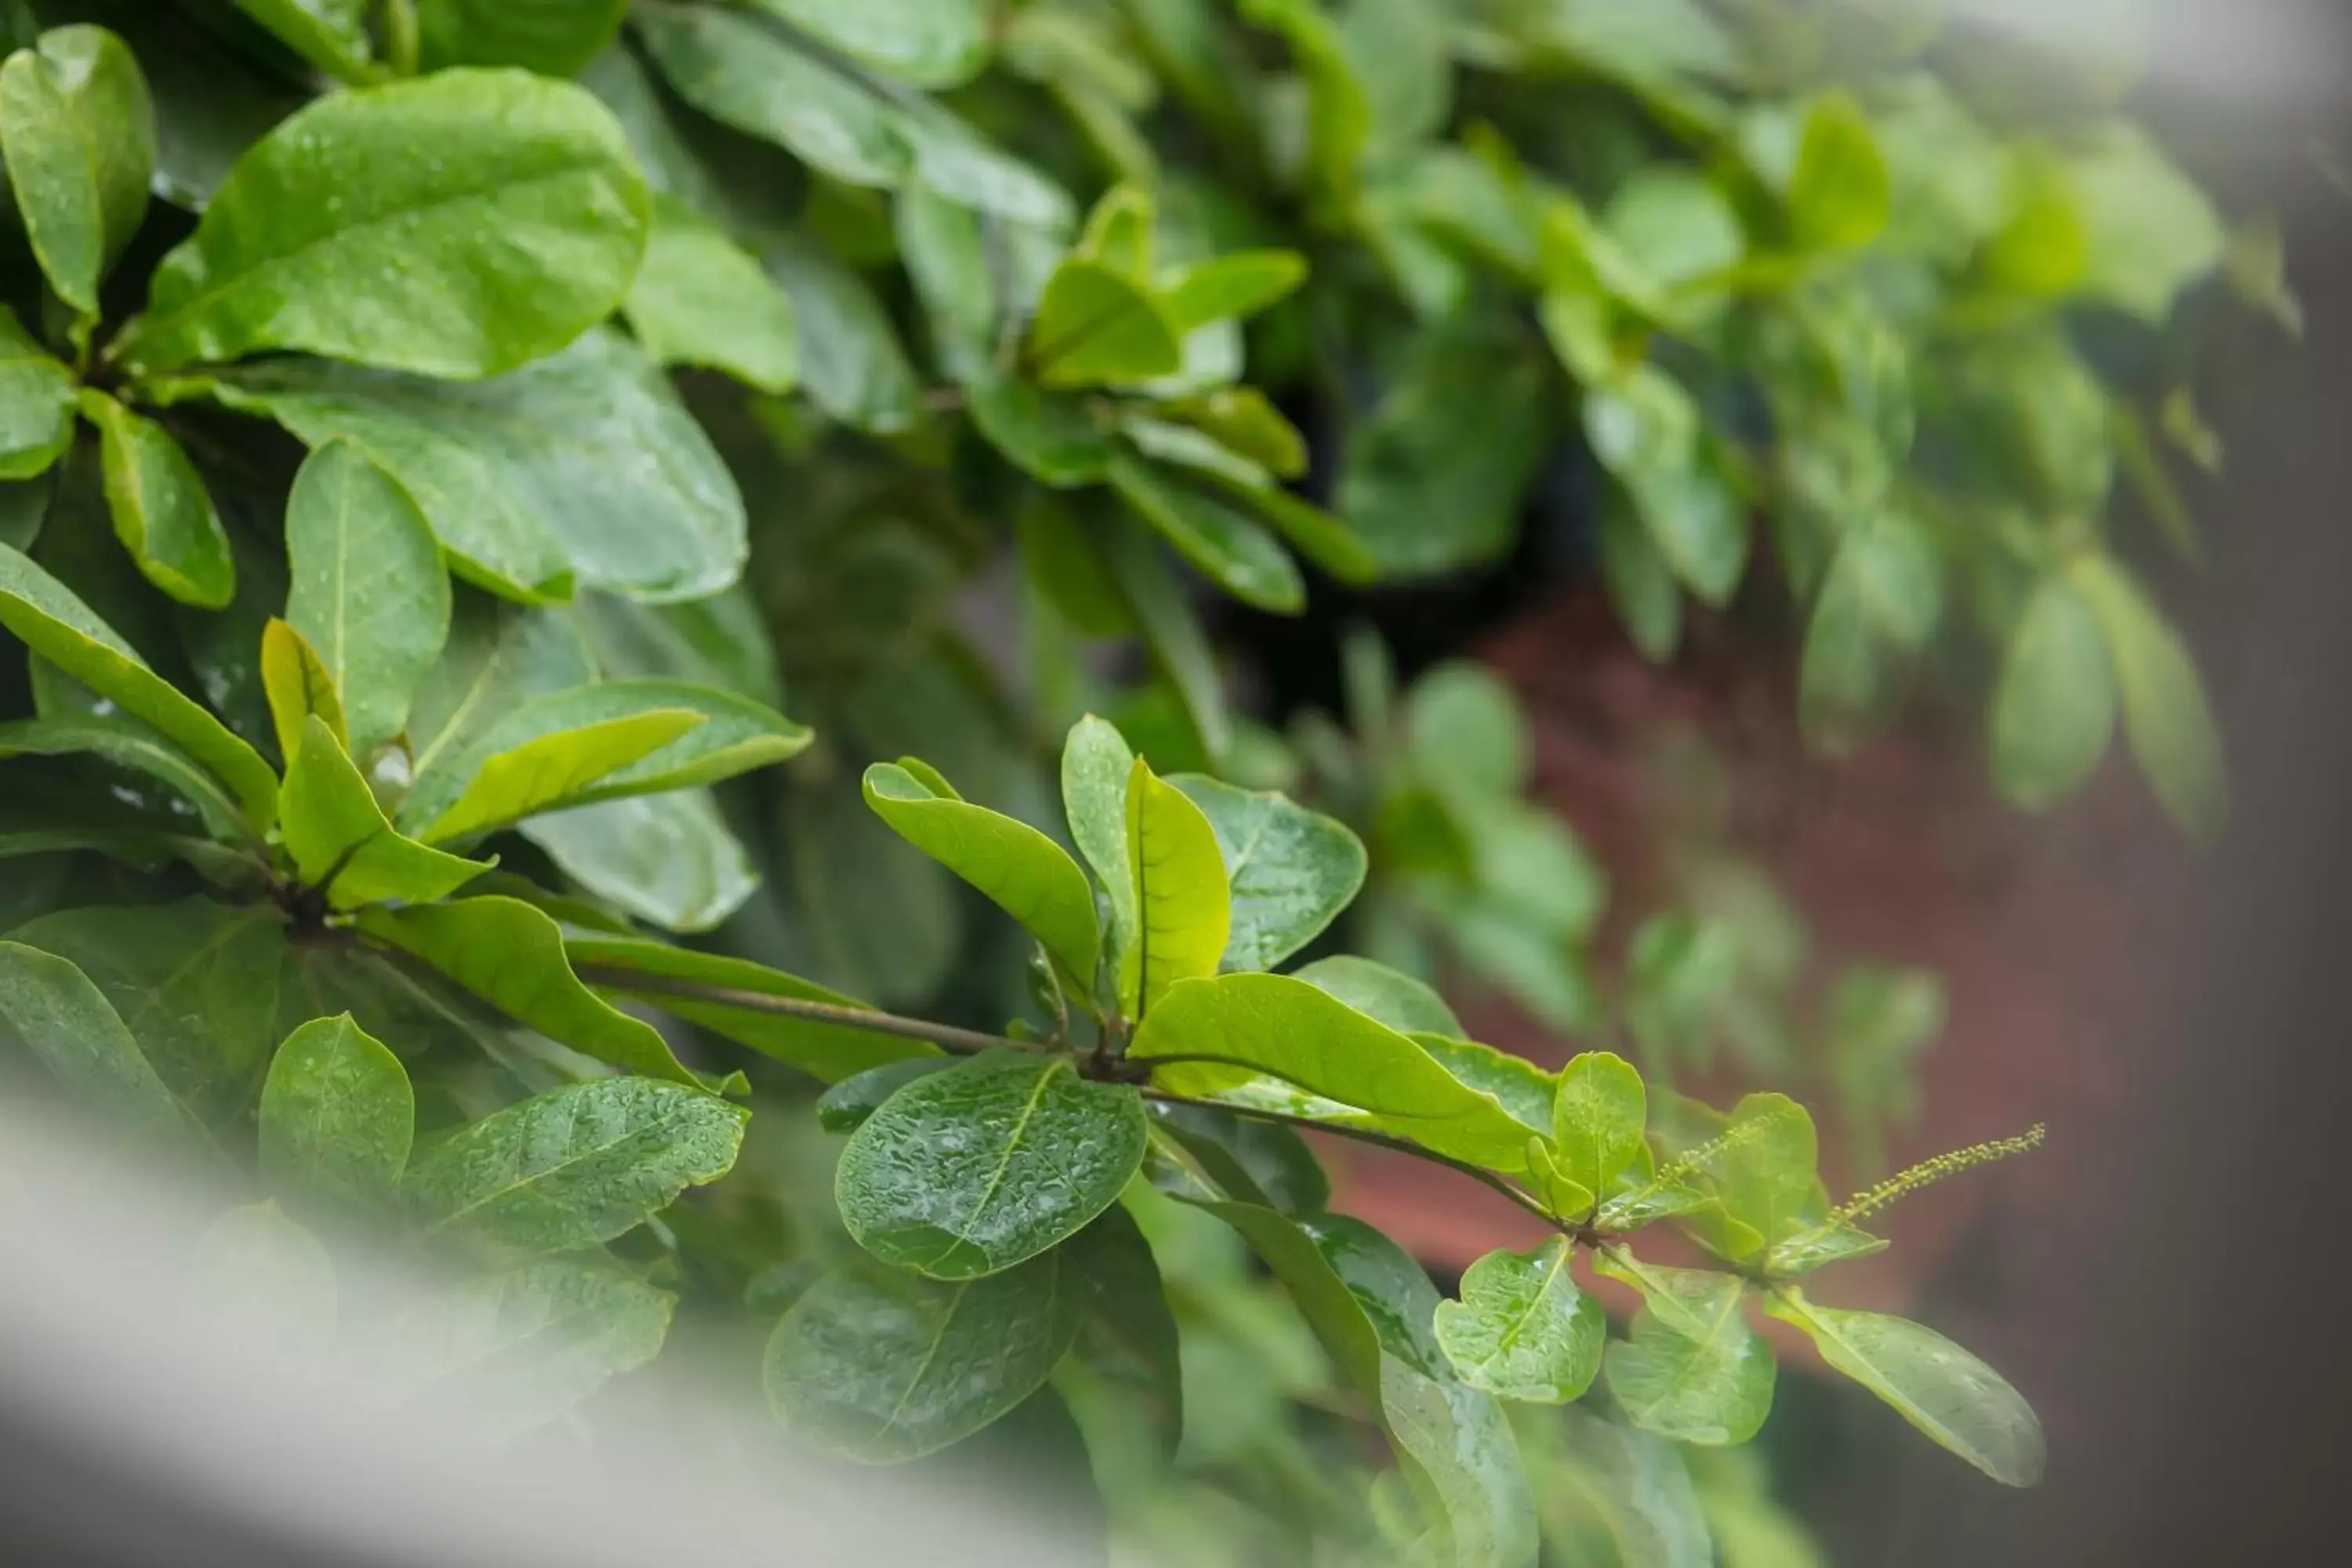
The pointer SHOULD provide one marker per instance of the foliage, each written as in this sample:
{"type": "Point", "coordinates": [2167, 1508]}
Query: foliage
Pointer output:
{"type": "Point", "coordinates": [428, 427]}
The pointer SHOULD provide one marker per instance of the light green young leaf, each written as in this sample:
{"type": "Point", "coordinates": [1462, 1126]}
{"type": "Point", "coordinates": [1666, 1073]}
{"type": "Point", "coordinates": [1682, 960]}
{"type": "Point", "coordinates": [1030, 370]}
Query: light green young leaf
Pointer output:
{"type": "Point", "coordinates": [968, 1171]}
{"type": "Point", "coordinates": [1182, 902]}
{"type": "Point", "coordinates": [78, 134]}
{"type": "Point", "coordinates": [538, 1339]}
{"type": "Point", "coordinates": [1408, 1005]}
{"type": "Point", "coordinates": [2166, 719]}
{"type": "Point", "coordinates": [658, 973]}
{"type": "Point", "coordinates": [1766, 1174]}
{"type": "Point", "coordinates": [929, 43]}
{"type": "Point", "coordinates": [1839, 196]}
{"type": "Point", "coordinates": [511, 956]}
{"type": "Point", "coordinates": [337, 1111]}
{"type": "Point", "coordinates": [1932, 1383]}
{"type": "Point", "coordinates": [1522, 1329]}
{"type": "Point", "coordinates": [1096, 326]}
{"type": "Point", "coordinates": [1289, 871]}
{"type": "Point", "coordinates": [332, 235]}
{"type": "Point", "coordinates": [1597, 1120]}
{"type": "Point", "coordinates": [38, 399]}
{"type": "Point", "coordinates": [550, 770]}
{"type": "Point", "coordinates": [667, 858]}
{"type": "Point", "coordinates": [700, 300]}
{"type": "Point", "coordinates": [539, 480]}
{"type": "Point", "coordinates": [334, 829]}
{"type": "Point", "coordinates": [1243, 420]}
{"type": "Point", "coordinates": [1232, 551]}
{"type": "Point", "coordinates": [1095, 764]}
{"type": "Point", "coordinates": [1217, 1032]}
{"type": "Point", "coordinates": [1023, 873]}
{"type": "Point", "coordinates": [552, 37]}
{"type": "Point", "coordinates": [366, 587]}
{"type": "Point", "coordinates": [1675, 223]}
{"type": "Point", "coordinates": [2054, 708]}
{"type": "Point", "coordinates": [885, 1366]}
{"type": "Point", "coordinates": [1693, 1371]}
{"type": "Point", "coordinates": [577, 1165]}
{"type": "Point", "coordinates": [161, 511]}
{"type": "Point", "coordinates": [51, 1008]}
{"type": "Point", "coordinates": [1237, 284]}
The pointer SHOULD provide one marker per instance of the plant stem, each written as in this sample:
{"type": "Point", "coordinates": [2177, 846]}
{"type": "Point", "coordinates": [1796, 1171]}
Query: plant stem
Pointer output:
{"type": "Point", "coordinates": [947, 1036]}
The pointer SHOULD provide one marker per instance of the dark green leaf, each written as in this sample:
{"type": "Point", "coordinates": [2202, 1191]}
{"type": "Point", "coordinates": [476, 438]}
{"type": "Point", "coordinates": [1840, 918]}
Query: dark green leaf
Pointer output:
{"type": "Point", "coordinates": [2164, 716]}
{"type": "Point", "coordinates": [2054, 708]}
{"type": "Point", "coordinates": [518, 230]}
{"type": "Point", "coordinates": [79, 133]}
{"type": "Point", "coordinates": [1463, 728]}
{"type": "Point", "coordinates": [930, 43]}
{"type": "Point", "coordinates": [1234, 551]}
{"type": "Point", "coordinates": [845, 1107]}
{"type": "Point", "coordinates": [577, 1165]}
{"type": "Point", "coordinates": [667, 858]}
{"type": "Point", "coordinates": [1127, 1335]}
{"type": "Point", "coordinates": [1522, 1329]}
{"type": "Point", "coordinates": [553, 37]}
{"type": "Point", "coordinates": [336, 1111]}
{"type": "Point", "coordinates": [886, 1366]}
{"type": "Point", "coordinates": [51, 1008]}
{"type": "Point", "coordinates": [972, 1170]}
{"type": "Point", "coordinates": [161, 511]}
{"type": "Point", "coordinates": [1050, 437]}
{"type": "Point", "coordinates": [851, 362]}
{"type": "Point", "coordinates": [36, 411]}
{"type": "Point", "coordinates": [498, 658]}
{"type": "Point", "coordinates": [742, 73]}
{"type": "Point", "coordinates": [1253, 1161]}
{"type": "Point", "coordinates": [128, 743]}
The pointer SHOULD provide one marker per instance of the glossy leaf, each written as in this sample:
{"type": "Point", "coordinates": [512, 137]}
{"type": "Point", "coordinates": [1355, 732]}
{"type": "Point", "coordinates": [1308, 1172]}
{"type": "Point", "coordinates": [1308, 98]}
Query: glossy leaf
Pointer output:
{"type": "Point", "coordinates": [1408, 1005]}
{"type": "Point", "coordinates": [550, 770]}
{"type": "Point", "coordinates": [972, 1170]}
{"type": "Point", "coordinates": [553, 37]}
{"type": "Point", "coordinates": [51, 1008]}
{"type": "Point", "coordinates": [1095, 325]}
{"type": "Point", "coordinates": [1289, 871]}
{"type": "Point", "coordinates": [1239, 1025]}
{"type": "Point", "coordinates": [2055, 709]}
{"type": "Point", "coordinates": [539, 481]}
{"type": "Point", "coordinates": [1095, 764]}
{"type": "Point", "coordinates": [1597, 1119]}
{"type": "Point", "coordinates": [1522, 1329]}
{"type": "Point", "coordinates": [886, 1367]}
{"type": "Point", "coordinates": [665, 859]}
{"type": "Point", "coordinates": [194, 981]}
{"type": "Point", "coordinates": [340, 842]}
{"type": "Point", "coordinates": [1182, 904]}
{"type": "Point", "coordinates": [930, 43]}
{"type": "Point", "coordinates": [332, 35]}
{"type": "Point", "coordinates": [1022, 871]}
{"type": "Point", "coordinates": [654, 972]}
{"type": "Point", "coordinates": [161, 511]}
{"type": "Point", "coordinates": [2166, 719]}
{"type": "Point", "coordinates": [1239, 283]}
{"type": "Point", "coordinates": [1693, 1371]}
{"type": "Point", "coordinates": [1232, 551]}
{"type": "Point", "coordinates": [298, 687]}
{"type": "Point", "coordinates": [37, 401]}
{"type": "Point", "coordinates": [577, 1165]}
{"type": "Point", "coordinates": [1932, 1383]}
{"type": "Point", "coordinates": [1253, 1161]}
{"type": "Point", "coordinates": [79, 133]}
{"type": "Point", "coordinates": [1765, 1174]}
{"type": "Point", "coordinates": [331, 236]}
{"type": "Point", "coordinates": [700, 300]}
{"type": "Point", "coordinates": [1521, 1088]}
{"type": "Point", "coordinates": [742, 73]}
{"type": "Point", "coordinates": [846, 1106]}
{"type": "Point", "coordinates": [511, 956]}
{"type": "Point", "coordinates": [337, 1111]}
{"type": "Point", "coordinates": [366, 587]}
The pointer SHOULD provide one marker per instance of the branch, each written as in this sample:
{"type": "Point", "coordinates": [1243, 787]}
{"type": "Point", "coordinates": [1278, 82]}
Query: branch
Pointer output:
{"type": "Point", "coordinates": [947, 1036]}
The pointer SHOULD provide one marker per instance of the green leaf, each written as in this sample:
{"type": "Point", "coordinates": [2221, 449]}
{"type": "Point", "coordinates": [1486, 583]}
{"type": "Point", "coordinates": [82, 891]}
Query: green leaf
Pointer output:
{"type": "Point", "coordinates": [51, 1008]}
{"type": "Point", "coordinates": [1641, 584]}
{"type": "Point", "coordinates": [1932, 1383]}
{"type": "Point", "coordinates": [654, 972]}
{"type": "Point", "coordinates": [742, 74]}
{"type": "Point", "coordinates": [1022, 871]}
{"type": "Point", "coordinates": [128, 743]}
{"type": "Point", "coordinates": [1169, 627]}
{"type": "Point", "coordinates": [886, 1367]}
{"type": "Point", "coordinates": [929, 43]}
{"type": "Point", "coordinates": [721, 640]}
{"type": "Point", "coordinates": [336, 1111]}
{"type": "Point", "coordinates": [298, 688]}
{"type": "Point", "coordinates": [78, 134]}
{"type": "Point", "coordinates": [1050, 437]}
{"type": "Point", "coordinates": [517, 1349]}
{"type": "Point", "coordinates": [1522, 1329]}
{"type": "Point", "coordinates": [1127, 1333]}
{"type": "Point", "coordinates": [1095, 326]}
{"type": "Point", "coordinates": [1766, 1174]}
{"type": "Point", "coordinates": [2054, 708]}
{"type": "Point", "coordinates": [339, 840]}
{"type": "Point", "coordinates": [1408, 1005]}
{"type": "Point", "coordinates": [511, 956]}
{"type": "Point", "coordinates": [1879, 608]}
{"type": "Point", "coordinates": [539, 480]}
{"type": "Point", "coordinates": [366, 587]}
{"type": "Point", "coordinates": [1237, 284]}
{"type": "Point", "coordinates": [1288, 1029]}
{"type": "Point", "coordinates": [1521, 1088]}
{"type": "Point", "coordinates": [667, 858]}
{"type": "Point", "coordinates": [1464, 730]}
{"type": "Point", "coordinates": [1261, 1163]}
{"type": "Point", "coordinates": [577, 1165]}
{"type": "Point", "coordinates": [2165, 715]}
{"type": "Point", "coordinates": [1244, 421]}
{"type": "Point", "coordinates": [846, 1106]}
{"type": "Point", "coordinates": [1698, 524]}
{"type": "Point", "coordinates": [1597, 1121]}
{"type": "Point", "coordinates": [38, 399]}
{"type": "Point", "coordinates": [852, 364]}
{"type": "Point", "coordinates": [194, 982]}
{"type": "Point", "coordinates": [700, 300]}
{"type": "Point", "coordinates": [2148, 231]}
{"type": "Point", "coordinates": [518, 231]}
{"type": "Point", "coordinates": [1693, 1370]}
{"type": "Point", "coordinates": [1095, 764]}
{"type": "Point", "coordinates": [1234, 553]}
{"type": "Point", "coordinates": [1182, 904]}
{"type": "Point", "coordinates": [1673, 224]}
{"type": "Point", "coordinates": [498, 658]}
{"type": "Point", "coordinates": [332, 35]}
{"type": "Point", "coordinates": [586, 744]}
{"type": "Point", "coordinates": [161, 511]}
{"type": "Point", "coordinates": [968, 1171]}
{"type": "Point", "coordinates": [1839, 196]}
{"type": "Point", "coordinates": [553, 37]}
{"type": "Point", "coordinates": [1289, 871]}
